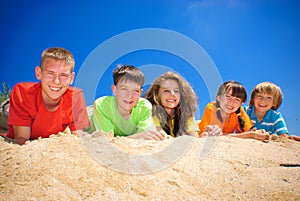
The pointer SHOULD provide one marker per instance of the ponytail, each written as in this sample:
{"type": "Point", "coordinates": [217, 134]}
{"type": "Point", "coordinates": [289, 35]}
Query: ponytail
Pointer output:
{"type": "Point", "coordinates": [219, 111]}
{"type": "Point", "coordinates": [240, 119]}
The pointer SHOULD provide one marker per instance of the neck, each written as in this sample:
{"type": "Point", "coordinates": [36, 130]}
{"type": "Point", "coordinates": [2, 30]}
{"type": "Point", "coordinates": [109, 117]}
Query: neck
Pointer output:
{"type": "Point", "coordinates": [51, 105]}
{"type": "Point", "coordinates": [169, 111]}
{"type": "Point", "coordinates": [225, 116]}
{"type": "Point", "coordinates": [124, 113]}
{"type": "Point", "coordinates": [259, 115]}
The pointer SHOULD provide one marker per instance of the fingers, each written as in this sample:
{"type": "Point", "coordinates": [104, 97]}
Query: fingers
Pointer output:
{"type": "Point", "coordinates": [153, 135]}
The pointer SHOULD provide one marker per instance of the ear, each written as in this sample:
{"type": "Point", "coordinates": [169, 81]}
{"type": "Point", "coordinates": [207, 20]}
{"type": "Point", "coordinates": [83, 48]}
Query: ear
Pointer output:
{"type": "Point", "coordinates": [114, 89]}
{"type": "Point", "coordinates": [218, 98]}
{"type": "Point", "coordinates": [38, 73]}
{"type": "Point", "coordinates": [72, 78]}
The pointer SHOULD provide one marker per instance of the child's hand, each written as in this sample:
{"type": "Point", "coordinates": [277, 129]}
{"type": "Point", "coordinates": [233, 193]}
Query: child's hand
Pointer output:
{"type": "Point", "coordinates": [261, 135]}
{"type": "Point", "coordinates": [149, 135]}
{"type": "Point", "coordinates": [212, 130]}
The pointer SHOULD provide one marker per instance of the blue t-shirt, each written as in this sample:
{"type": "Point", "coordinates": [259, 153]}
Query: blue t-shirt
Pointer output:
{"type": "Point", "coordinates": [272, 122]}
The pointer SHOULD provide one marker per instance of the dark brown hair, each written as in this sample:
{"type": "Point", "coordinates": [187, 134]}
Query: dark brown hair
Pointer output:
{"type": "Point", "coordinates": [237, 90]}
{"type": "Point", "coordinates": [128, 73]}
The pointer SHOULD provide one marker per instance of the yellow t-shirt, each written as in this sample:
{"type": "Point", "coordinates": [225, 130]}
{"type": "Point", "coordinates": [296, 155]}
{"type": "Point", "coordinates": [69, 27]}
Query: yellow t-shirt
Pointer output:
{"type": "Point", "coordinates": [191, 125]}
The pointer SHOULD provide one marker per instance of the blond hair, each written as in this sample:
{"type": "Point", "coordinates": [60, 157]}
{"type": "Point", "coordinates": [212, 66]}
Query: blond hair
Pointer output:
{"type": "Point", "coordinates": [58, 53]}
{"type": "Point", "coordinates": [268, 88]}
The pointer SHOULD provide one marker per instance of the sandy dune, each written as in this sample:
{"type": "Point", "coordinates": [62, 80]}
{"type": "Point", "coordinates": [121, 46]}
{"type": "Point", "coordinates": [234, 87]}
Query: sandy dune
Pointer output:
{"type": "Point", "coordinates": [100, 167]}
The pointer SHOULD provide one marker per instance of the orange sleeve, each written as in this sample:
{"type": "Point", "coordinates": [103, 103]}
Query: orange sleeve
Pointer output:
{"type": "Point", "coordinates": [206, 118]}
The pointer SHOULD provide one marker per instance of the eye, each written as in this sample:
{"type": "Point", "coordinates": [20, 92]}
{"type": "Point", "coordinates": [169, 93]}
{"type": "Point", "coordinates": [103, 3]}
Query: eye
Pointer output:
{"type": "Point", "coordinates": [237, 100]}
{"type": "Point", "coordinates": [166, 91]}
{"type": "Point", "coordinates": [64, 76]}
{"type": "Point", "coordinates": [227, 97]}
{"type": "Point", "coordinates": [50, 73]}
{"type": "Point", "coordinates": [258, 96]}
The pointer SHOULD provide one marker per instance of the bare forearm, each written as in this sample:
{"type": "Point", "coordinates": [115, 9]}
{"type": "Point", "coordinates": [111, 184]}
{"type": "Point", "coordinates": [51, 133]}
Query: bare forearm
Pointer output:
{"type": "Point", "coordinates": [21, 134]}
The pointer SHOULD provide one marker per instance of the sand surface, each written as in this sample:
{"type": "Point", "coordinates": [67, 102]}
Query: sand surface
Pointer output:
{"type": "Point", "coordinates": [101, 167]}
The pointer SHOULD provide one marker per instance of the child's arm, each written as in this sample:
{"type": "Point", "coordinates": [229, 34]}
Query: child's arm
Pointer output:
{"type": "Point", "coordinates": [257, 135]}
{"type": "Point", "coordinates": [206, 118]}
{"type": "Point", "coordinates": [149, 135]}
{"type": "Point", "coordinates": [21, 134]}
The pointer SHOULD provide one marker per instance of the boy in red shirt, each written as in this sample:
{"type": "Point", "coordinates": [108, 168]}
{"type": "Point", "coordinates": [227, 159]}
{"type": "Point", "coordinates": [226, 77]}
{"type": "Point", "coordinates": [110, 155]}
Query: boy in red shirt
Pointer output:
{"type": "Point", "coordinates": [49, 106]}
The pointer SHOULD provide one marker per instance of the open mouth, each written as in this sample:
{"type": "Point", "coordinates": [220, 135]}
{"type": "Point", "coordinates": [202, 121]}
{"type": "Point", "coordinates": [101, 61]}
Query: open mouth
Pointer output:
{"type": "Point", "coordinates": [171, 101]}
{"type": "Point", "coordinates": [55, 88]}
{"type": "Point", "coordinates": [229, 107]}
{"type": "Point", "coordinates": [263, 106]}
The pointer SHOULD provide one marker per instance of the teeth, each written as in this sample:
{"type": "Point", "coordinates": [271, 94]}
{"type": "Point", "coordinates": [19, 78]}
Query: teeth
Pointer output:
{"type": "Point", "coordinates": [172, 101]}
{"type": "Point", "coordinates": [55, 88]}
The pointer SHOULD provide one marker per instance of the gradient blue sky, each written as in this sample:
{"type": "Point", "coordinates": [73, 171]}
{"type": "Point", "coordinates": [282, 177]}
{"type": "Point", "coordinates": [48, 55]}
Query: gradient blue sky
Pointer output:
{"type": "Point", "coordinates": [248, 41]}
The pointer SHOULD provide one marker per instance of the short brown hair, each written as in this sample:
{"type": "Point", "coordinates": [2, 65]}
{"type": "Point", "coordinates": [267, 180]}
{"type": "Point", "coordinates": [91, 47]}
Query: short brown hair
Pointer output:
{"type": "Point", "coordinates": [268, 88]}
{"type": "Point", "coordinates": [58, 53]}
{"type": "Point", "coordinates": [128, 73]}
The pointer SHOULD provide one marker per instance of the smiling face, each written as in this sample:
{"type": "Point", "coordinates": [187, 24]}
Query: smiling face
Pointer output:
{"type": "Point", "coordinates": [55, 76]}
{"type": "Point", "coordinates": [127, 94]}
{"type": "Point", "coordinates": [169, 93]}
{"type": "Point", "coordinates": [228, 103]}
{"type": "Point", "coordinates": [263, 102]}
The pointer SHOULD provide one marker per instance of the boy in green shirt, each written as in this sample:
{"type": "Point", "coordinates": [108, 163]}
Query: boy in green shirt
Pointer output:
{"type": "Point", "coordinates": [125, 113]}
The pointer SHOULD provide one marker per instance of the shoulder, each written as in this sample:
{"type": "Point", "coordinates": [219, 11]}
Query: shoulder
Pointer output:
{"type": "Point", "coordinates": [26, 90]}
{"type": "Point", "coordinates": [273, 114]}
{"type": "Point", "coordinates": [27, 86]}
{"type": "Point", "coordinates": [73, 91]}
{"type": "Point", "coordinates": [105, 100]}
{"type": "Point", "coordinates": [144, 103]}
{"type": "Point", "coordinates": [211, 106]}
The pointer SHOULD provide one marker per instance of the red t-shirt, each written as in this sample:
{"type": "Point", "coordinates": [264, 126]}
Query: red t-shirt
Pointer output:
{"type": "Point", "coordinates": [28, 109]}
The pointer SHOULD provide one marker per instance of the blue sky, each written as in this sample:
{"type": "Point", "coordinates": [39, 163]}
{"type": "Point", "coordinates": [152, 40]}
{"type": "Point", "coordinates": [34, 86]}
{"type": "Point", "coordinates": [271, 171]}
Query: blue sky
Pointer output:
{"type": "Point", "coordinates": [248, 41]}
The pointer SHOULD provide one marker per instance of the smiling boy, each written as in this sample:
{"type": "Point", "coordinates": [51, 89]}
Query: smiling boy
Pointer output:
{"type": "Point", "coordinates": [49, 106]}
{"type": "Point", "coordinates": [125, 113]}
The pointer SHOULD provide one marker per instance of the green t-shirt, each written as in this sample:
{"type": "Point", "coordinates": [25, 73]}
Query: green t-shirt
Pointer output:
{"type": "Point", "coordinates": [106, 117]}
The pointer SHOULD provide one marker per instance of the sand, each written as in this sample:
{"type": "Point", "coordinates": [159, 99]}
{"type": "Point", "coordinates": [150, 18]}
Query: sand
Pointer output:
{"type": "Point", "coordinates": [102, 167]}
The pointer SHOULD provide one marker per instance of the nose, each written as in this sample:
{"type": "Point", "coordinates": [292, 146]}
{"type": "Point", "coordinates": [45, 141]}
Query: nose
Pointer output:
{"type": "Point", "coordinates": [172, 92]}
{"type": "Point", "coordinates": [56, 79]}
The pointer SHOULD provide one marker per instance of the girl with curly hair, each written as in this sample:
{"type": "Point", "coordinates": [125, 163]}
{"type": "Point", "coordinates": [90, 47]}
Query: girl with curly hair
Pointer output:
{"type": "Point", "coordinates": [174, 104]}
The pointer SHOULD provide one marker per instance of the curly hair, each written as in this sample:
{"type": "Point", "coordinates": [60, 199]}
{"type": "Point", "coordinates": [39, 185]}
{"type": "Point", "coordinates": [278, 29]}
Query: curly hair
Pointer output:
{"type": "Point", "coordinates": [184, 110]}
{"type": "Point", "coordinates": [268, 88]}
